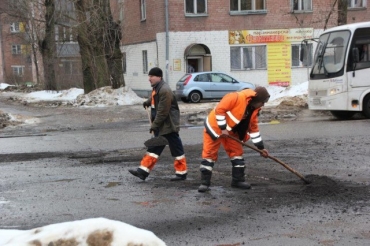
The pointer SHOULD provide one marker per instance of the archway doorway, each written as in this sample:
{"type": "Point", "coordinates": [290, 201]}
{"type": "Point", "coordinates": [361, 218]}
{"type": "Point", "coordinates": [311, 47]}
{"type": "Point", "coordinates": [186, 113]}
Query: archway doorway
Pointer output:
{"type": "Point", "coordinates": [198, 58]}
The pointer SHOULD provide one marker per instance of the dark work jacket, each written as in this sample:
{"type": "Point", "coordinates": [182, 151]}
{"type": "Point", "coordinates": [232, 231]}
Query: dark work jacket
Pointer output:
{"type": "Point", "coordinates": [165, 113]}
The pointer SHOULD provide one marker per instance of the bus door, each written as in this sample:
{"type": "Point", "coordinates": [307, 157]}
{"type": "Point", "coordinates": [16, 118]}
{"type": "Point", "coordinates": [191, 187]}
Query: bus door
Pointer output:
{"type": "Point", "coordinates": [360, 70]}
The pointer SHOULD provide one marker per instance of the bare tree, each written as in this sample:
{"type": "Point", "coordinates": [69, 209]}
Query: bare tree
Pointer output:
{"type": "Point", "coordinates": [113, 52]}
{"type": "Point", "coordinates": [47, 46]}
{"type": "Point", "coordinates": [342, 12]}
{"type": "Point", "coordinates": [99, 39]}
{"type": "Point", "coordinates": [98, 36]}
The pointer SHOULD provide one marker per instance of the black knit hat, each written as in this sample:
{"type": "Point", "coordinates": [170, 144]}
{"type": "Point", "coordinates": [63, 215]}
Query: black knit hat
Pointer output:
{"type": "Point", "coordinates": [262, 94]}
{"type": "Point", "coordinates": [156, 71]}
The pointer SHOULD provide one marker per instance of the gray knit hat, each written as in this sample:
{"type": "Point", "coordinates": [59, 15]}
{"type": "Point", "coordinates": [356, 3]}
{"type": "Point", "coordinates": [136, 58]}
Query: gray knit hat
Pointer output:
{"type": "Point", "coordinates": [156, 71]}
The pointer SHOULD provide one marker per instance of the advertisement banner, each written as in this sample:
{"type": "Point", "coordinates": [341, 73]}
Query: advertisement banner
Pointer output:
{"type": "Point", "coordinates": [269, 36]}
{"type": "Point", "coordinates": [279, 64]}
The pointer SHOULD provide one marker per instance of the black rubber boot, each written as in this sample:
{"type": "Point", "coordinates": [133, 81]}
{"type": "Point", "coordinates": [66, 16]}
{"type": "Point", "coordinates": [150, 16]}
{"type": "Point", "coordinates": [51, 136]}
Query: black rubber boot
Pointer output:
{"type": "Point", "coordinates": [206, 176]}
{"type": "Point", "coordinates": [179, 177]}
{"type": "Point", "coordinates": [238, 178]}
{"type": "Point", "coordinates": [140, 173]}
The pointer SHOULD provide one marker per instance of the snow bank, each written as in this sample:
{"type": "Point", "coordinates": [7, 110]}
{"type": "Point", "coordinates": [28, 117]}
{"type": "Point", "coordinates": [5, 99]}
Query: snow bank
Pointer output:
{"type": "Point", "coordinates": [94, 231]}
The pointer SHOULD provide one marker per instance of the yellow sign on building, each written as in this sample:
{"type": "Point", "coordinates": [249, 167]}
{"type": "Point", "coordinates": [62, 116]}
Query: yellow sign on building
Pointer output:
{"type": "Point", "coordinates": [279, 64]}
{"type": "Point", "coordinates": [269, 36]}
{"type": "Point", "coordinates": [278, 42]}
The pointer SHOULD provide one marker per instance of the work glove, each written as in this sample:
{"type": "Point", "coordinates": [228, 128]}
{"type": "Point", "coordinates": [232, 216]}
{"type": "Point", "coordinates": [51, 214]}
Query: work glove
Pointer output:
{"type": "Point", "coordinates": [264, 153]}
{"type": "Point", "coordinates": [224, 134]}
{"type": "Point", "coordinates": [146, 104]}
{"type": "Point", "coordinates": [152, 130]}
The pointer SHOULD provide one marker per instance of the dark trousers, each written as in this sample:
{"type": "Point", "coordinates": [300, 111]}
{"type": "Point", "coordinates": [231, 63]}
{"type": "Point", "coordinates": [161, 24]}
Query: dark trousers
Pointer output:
{"type": "Point", "coordinates": [174, 142]}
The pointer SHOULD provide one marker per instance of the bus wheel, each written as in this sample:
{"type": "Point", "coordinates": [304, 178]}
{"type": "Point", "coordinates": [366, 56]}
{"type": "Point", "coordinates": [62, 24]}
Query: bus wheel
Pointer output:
{"type": "Point", "coordinates": [366, 107]}
{"type": "Point", "coordinates": [343, 115]}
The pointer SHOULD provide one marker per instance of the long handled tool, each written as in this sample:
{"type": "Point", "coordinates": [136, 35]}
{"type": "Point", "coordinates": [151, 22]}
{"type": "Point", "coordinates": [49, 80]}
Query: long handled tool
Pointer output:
{"type": "Point", "coordinates": [273, 158]}
{"type": "Point", "coordinates": [154, 141]}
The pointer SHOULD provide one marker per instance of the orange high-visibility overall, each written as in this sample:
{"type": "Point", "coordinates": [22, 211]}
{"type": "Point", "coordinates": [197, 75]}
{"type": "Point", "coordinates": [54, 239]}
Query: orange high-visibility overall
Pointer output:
{"type": "Point", "coordinates": [226, 115]}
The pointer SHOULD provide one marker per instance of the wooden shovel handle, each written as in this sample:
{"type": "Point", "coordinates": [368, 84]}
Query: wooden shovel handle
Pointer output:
{"type": "Point", "coordinates": [150, 120]}
{"type": "Point", "coordinates": [271, 157]}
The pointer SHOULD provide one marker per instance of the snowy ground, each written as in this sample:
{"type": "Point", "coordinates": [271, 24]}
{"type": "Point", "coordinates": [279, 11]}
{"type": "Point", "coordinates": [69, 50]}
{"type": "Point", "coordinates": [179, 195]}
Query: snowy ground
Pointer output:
{"type": "Point", "coordinates": [94, 231]}
{"type": "Point", "coordinates": [106, 96]}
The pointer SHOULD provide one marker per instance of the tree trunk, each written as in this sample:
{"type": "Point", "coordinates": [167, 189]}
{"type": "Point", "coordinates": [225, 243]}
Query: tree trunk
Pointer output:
{"type": "Point", "coordinates": [90, 31]}
{"type": "Point", "coordinates": [342, 12]}
{"type": "Point", "coordinates": [47, 46]}
{"type": "Point", "coordinates": [113, 51]}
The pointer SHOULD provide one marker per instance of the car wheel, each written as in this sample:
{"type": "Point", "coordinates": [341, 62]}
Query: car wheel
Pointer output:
{"type": "Point", "coordinates": [343, 115]}
{"type": "Point", "coordinates": [366, 107]}
{"type": "Point", "coordinates": [195, 97]}
{"type": "Point", "coordinates": [184, 99]}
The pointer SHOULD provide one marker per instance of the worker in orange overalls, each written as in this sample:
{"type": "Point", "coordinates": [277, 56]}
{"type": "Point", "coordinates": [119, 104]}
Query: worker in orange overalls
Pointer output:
{"type": "Point", "coordinates": [235, 115]}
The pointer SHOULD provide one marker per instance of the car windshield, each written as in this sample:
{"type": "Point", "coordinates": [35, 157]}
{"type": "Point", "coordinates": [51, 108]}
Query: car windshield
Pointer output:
{"type": "Point", "coordinates": [330, 53]}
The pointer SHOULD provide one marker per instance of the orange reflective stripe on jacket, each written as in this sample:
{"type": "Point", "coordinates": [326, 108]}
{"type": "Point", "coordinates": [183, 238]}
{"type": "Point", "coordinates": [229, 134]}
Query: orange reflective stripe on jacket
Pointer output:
{"type": "Point", "coordinates": [229, 112]}
{"type": "Point", "coordinates": [153, 94]}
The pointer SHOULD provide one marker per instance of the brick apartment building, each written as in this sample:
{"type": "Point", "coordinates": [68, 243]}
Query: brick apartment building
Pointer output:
{"type": "Point", "coordinates": [18, 62]}
{"type": "Point", "coordinates": [15, 56]}
{"type": "Point", "coordinates": [239, 37]}
{"type": "Point", "coordinates": [249, 39]}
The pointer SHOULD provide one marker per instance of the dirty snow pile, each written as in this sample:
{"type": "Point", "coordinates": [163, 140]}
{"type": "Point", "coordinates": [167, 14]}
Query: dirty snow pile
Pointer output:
{"type": "Point", "coordinates": [101, 97]}
{"type": "Point", "coordinates": [106, 96]}
{"type": "Point", "coordinates": [94, 231]}
{"type": "Point", "coordinates": [297, 94]}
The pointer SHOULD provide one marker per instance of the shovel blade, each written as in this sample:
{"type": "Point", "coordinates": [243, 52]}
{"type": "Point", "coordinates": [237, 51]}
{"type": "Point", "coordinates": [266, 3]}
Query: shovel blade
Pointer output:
{"type": "Point", "coordinates": [156, 141]}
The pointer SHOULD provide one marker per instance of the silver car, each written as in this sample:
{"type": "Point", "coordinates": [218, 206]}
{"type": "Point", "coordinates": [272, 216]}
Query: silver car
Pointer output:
{"type": "Point", "coordinates": [193, 87]}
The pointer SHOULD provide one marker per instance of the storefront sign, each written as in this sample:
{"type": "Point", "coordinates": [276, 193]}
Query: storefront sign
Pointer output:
{"type": "Point", "coordinates": [269, 36]}
{"type": "Point", "coordinates": [279, 64]}
{"type": "Point", "coordinates": [176, 64]}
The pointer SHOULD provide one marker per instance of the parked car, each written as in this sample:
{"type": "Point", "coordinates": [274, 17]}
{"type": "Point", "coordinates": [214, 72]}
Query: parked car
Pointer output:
{"type": "Point", "coordinates": [193, 87]}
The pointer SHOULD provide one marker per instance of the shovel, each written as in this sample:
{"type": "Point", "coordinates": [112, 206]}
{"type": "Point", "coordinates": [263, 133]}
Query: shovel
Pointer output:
{"type": "Point", "coordinates": [154, 141]}
{"type": "Point", "coordinates": [273, 158]}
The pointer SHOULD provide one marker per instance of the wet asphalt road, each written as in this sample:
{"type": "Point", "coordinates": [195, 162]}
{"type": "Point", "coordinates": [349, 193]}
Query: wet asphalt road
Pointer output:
{"type": "Point", "coordinates": [73, 164]}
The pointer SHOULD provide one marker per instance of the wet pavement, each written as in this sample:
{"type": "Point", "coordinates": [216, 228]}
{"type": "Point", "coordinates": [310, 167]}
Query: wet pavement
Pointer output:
{"type": "Point", "coordinates": [79, 168]}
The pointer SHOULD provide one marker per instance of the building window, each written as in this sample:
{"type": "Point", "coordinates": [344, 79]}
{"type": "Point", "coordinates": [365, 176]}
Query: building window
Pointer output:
{"type": "Point", "coordinates": [248, 57]}
{"type": "Point", "coordinates": [247, 5]}
{"type": "Point", "coordinates": [302, 5]}
{"type": "Point", "coordinates": [14, 27]}
{"type": "Point", "coordinates": [124, 66]}
{"type": "Point", "coordinates": [142, 10]}
{"type": "Point", "coordinates": [18, 70]}
{"type": "Point", "coordinates": [71, 67]}
{"type": "Point", "coordinates": [66, 11]}
{"type": "Point", "coordinates": [16, 49]}
{"type": "Point", "coordinates": [296, 51]}
{"type": "Point", "coordinates": [145, 61]}
{"type": "Point", "coordinates": [356, 3]}
{"type": "Point", "coordinates": [196, 6]}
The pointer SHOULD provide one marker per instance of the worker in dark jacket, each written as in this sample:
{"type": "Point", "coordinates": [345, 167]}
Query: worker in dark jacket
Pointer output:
{"type": "Point", "coordinates": [165, 122]}
{"type": "Point", "coordinates": [235, 115]}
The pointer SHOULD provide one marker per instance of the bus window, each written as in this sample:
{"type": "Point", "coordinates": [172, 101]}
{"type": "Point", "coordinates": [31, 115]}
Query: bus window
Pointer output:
{"type": "Point", "coordinates": [364, 52]}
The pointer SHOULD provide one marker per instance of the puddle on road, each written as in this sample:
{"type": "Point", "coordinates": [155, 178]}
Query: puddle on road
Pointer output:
{"type": "Point", "coordinates": [154, 203]}
{"type": "Point", "coordinates": [112, 199]}
{"type": "Point", "coordinates": [112, 184]}
{"type": "Point", "coordinates": [64, 180]}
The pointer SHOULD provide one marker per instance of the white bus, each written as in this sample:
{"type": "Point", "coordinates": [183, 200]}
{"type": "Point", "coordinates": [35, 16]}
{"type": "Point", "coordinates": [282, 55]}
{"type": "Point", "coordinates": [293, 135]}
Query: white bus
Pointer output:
{"type": "Point", "coordinates": [340, 75]}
